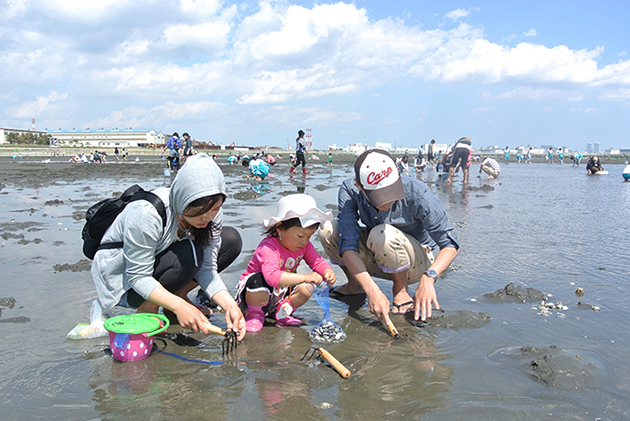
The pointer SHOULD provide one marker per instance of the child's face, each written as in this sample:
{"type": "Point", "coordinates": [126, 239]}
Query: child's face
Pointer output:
{"type": "Point", "coordinates": [295, 238]}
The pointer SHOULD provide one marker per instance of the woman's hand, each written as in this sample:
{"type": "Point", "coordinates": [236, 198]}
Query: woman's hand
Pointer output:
{"type": "Point", "coordinates": [234, 319]}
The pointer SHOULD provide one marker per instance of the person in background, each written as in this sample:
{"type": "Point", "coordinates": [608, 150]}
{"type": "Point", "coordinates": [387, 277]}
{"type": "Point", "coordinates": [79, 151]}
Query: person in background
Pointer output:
{"type": "Point", "coordinates": [431, 153]}
{"type": "Point", "coordinates": [560, 155]}
{"type": "Point", "coordinates": [300, 149]}
{"type": "Point", "coordinates": [491, 167]}
{"type": "Point", "coordinates": [402, 164]}
{"type": "Point", "coordinates": [577, 158]}
{"type": "Point", "coordinates": [402, 223]}
{"type": "Point", "coordinates": [419, 163]}
{"type": "Point", "coordinates": [258, 168]}
{"type": "Point", "coordinates": [550, 155]}
{"type": "Point", "coordinates": [188, 149]}
{"type": "Point", "coordinates": [461, 159]}
{"type": "Point", "coordinates": [270, 159]}
{"type": "Point", "coordinates": [329, 159]}
{"type": "Point", "coordinates": [593, 165]}
{"type": "Point", "coordinates": [271, 285]}
{"type": "Point", "coordinates": [529, 156]}
{"type": "Point", "coordinates": [507, 154]}
{"type": "Point", "coordinates": [173, 145]}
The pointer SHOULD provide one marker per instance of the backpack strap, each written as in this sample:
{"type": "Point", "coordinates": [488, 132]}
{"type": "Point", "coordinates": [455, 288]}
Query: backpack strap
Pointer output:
{"type": "Point", "coordinates": [149, 197]}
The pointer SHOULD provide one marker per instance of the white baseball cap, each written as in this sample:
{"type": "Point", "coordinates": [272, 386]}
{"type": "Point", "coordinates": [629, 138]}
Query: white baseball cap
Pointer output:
{"type": "Point", "coordinates": [376, 172]}
{"type": "Point", "coordinates": [300, 206]}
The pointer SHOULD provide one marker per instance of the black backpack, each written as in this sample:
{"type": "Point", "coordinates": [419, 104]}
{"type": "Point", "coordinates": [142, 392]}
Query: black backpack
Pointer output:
{"type": "Point", "coordinates": [102, 214]}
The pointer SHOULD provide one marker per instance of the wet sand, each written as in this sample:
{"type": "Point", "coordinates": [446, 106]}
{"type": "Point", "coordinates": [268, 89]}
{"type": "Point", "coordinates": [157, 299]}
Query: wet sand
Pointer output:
{"type": "Point", "coordinates": [476, 360]}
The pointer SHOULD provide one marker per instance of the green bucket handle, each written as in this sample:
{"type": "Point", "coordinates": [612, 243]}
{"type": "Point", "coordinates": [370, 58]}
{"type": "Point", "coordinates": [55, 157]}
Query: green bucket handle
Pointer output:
{"type": "Point", "coordinates": [162, 318]}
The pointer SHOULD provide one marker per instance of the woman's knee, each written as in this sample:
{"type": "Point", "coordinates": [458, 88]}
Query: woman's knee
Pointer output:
{"type": "Point", "coordinates": [231, 246]}
{"type": "Point", "coordinates": [177, 265]}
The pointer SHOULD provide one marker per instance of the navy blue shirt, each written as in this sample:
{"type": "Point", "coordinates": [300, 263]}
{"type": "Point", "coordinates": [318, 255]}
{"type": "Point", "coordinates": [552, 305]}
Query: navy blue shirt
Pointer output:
{"type": "Point", "coordinates": [419, 215]}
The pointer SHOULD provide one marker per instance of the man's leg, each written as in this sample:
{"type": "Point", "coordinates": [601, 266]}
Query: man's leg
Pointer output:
{"type": "Point", "coordinates": [400, 258]}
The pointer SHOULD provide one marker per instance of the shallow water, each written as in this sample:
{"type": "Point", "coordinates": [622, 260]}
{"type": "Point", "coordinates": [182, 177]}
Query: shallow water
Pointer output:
{"type": "Point", "coordinates": [546, 227]}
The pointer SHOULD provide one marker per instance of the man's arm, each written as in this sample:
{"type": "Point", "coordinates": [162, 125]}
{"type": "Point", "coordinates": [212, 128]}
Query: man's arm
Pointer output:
{"type": "Point", "coordinates": [378, 304]}
{"type": "Point", "coordinates": [425, 295]}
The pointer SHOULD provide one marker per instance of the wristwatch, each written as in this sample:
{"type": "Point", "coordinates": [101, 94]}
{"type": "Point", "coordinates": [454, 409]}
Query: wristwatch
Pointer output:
{"type": "Point", "coordinates": [432, 274]}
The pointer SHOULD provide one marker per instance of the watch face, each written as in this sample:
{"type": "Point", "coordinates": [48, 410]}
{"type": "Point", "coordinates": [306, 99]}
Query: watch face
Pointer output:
{"type": "Point", "coordinates": [433, 274]}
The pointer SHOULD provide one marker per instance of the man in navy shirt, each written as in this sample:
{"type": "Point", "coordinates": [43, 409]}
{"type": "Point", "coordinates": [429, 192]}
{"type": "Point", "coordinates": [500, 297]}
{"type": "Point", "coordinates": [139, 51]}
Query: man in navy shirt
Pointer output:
{"type": "Point", "coordinates": [403, 222]}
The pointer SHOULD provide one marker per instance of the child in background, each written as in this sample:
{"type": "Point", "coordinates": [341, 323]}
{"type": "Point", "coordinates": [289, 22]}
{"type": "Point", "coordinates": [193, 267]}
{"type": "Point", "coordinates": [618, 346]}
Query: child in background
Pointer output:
{"type": "Point", "coordinates": [270, 284]}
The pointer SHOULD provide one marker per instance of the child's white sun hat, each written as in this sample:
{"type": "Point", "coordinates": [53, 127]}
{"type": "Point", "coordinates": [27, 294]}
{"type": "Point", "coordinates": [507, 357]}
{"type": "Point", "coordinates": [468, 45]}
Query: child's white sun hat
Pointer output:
{"type": "Point", "coordinates": [300, 206]}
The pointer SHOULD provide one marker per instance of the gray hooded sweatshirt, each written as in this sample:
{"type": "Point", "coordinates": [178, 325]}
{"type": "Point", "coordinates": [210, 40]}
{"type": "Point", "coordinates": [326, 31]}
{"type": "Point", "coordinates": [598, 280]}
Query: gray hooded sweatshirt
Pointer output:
{"type": "Point", "coordinates": [139, 227]}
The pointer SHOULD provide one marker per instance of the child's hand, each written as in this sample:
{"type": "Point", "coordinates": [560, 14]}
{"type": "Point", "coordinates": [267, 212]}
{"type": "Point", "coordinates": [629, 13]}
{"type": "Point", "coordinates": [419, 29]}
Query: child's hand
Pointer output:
{"type": "Point", "coordinates": [330, 277]}
{"type": "Point", "coordinates": [313, 278]}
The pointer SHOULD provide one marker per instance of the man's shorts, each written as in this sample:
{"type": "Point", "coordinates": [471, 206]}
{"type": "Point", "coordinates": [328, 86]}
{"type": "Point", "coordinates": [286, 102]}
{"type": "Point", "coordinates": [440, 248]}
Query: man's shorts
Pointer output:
{"type": "Point", "coordinates": [488, 170]}
{"type": "Point", "coordinates": [384, 250]}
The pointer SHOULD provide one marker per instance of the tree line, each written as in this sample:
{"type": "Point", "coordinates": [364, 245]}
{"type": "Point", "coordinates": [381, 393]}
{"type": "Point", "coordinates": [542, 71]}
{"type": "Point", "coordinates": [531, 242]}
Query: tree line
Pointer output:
{"type": "Point", "coordinates": [28, 139]}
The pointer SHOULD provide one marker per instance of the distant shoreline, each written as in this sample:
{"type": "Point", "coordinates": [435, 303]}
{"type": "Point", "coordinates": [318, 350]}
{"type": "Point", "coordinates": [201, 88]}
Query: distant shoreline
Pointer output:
{"type": "Point", "coordinates": [8, 151]}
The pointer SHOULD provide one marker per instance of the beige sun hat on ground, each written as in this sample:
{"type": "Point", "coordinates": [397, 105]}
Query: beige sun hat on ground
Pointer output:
{"type": "Point", "coordinates": [300, 206]}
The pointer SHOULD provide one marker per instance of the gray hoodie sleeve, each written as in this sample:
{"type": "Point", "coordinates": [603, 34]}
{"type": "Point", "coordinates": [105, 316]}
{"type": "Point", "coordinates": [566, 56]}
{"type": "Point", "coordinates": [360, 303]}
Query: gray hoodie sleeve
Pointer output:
{"type": "Point", "coordinates": [208, 277]}
{"type": "Point", "coordinates": [143, 230]}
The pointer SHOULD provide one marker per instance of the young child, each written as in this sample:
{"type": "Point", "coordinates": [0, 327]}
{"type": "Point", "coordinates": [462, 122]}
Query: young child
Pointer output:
{"type": "Point", "coordinates": [270, 284]}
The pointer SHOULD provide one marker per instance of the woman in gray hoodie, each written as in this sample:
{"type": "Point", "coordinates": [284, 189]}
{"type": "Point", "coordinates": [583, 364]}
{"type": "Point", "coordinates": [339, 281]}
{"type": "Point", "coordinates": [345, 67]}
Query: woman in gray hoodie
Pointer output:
{"type": "Point", "coordinates": [157, 266]}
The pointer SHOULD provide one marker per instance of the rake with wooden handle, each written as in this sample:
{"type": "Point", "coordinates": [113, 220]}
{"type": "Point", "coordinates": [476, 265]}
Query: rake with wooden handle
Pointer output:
{"type": "Point", "coordinates": [229, 344]}
{"type": "Point", "coordinates": [339, 368]}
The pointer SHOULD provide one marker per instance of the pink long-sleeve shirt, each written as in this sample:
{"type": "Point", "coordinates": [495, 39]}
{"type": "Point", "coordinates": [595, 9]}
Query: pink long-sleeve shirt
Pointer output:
{"type": "Point", "coordinates": [271, 259]}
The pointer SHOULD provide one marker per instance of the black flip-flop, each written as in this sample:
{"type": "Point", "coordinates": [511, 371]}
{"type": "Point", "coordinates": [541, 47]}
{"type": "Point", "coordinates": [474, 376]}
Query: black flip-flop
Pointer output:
{"type": "Point", "coordinates": [398, 306]}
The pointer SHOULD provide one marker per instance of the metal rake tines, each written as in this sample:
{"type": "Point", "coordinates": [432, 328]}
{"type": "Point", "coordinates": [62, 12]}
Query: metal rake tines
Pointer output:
{"type": "Point", "coordinates": [328, 357]}
{"type": "Point", "coordinates": [229, 344]}
{"type": "Point", "coordinates": [311, 353]}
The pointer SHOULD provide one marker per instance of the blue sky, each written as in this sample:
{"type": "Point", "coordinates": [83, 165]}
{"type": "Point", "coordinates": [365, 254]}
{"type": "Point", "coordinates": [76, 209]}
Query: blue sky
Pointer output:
{"type": "Point", "coordinates": [404, 72]}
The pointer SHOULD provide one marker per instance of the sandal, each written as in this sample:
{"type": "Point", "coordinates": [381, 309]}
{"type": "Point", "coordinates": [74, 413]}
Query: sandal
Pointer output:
{"type": "Point", "coordinates": [398, 306]}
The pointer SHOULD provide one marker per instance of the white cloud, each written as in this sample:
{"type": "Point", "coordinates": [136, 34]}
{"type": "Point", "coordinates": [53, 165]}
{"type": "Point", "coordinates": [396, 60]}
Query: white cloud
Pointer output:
{"type": "Point", "coordinates": [621, 94]}
{"type": "Point", "coordinates": [92, 10]}
{"type": "Point", "coordinates": [201, 7]}
{"type": "Point", "coordinates": [457, 14]}
{"type": "Point", "coordinates": [214, 52]}
{"type": "Point", "coordinates": [213, 34]}
{"type": "Point", "coordinates": [16, 8]}
{"type": "Point", "coordinates": [529, 93]}
{"type": "Point", "coordinates": [42, 105]}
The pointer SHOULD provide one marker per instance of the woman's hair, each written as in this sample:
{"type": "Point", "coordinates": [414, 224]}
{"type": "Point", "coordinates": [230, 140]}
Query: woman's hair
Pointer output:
{"type": "Point", "coordinates": [199, 207]}
{"type": "Point", "coordinates": [289, 223]}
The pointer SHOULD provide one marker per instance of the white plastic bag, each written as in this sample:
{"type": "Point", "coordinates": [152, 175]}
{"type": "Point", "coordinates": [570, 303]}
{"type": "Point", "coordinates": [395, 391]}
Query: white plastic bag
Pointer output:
{"type": "Point", "coordinates": [93, 330]}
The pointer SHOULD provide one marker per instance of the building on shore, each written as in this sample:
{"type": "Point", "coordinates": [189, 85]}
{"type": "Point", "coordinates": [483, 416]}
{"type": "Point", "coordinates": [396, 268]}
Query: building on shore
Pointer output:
{"type": "Point", "coordinates": [100, 138]}
{"type": "Point", "coordinates": [4, 131]}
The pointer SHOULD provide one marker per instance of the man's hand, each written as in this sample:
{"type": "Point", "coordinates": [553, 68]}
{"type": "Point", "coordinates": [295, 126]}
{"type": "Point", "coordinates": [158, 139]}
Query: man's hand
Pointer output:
{"type": "Point", "coordinates": [424, 299]}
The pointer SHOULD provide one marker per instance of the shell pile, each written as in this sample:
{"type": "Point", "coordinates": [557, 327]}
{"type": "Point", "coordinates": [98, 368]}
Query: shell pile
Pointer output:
{"type": "Point", "coordinates": [327, 332]}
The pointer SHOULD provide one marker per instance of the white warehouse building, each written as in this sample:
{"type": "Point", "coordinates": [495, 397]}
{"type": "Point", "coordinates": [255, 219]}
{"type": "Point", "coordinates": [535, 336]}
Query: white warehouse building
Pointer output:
{"type": "Point", "coordinates": [108, 138]}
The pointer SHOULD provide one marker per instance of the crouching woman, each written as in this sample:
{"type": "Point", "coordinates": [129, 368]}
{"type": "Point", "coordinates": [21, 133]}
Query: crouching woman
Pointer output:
{"type": "Point", "coordinates": [159, 265]}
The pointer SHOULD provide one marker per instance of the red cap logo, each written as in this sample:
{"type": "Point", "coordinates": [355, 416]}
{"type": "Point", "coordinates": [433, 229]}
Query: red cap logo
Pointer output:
{"type": "Point", "coordinates": [374, 178]}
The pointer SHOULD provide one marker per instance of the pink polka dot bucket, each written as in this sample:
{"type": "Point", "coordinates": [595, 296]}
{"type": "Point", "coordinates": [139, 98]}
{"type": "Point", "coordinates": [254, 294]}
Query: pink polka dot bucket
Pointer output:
{"type": "Point", "coordinates": [131, 336]}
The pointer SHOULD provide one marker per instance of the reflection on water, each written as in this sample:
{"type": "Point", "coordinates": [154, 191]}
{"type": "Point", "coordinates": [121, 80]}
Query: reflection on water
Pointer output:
{"type": "Point", "coordinates": [545, 227]}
